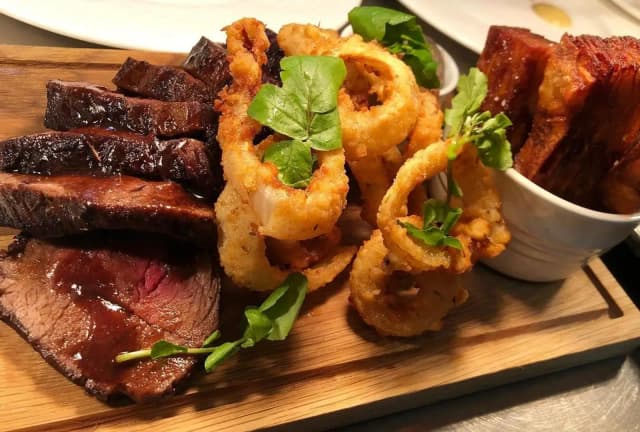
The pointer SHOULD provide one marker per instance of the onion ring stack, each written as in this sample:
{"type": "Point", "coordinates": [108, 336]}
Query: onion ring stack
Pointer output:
{"type": "Point", "coordinates": [392, 131]}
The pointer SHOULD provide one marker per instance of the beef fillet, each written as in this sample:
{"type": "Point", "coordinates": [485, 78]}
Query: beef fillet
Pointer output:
{"type": "Point", "coordinates": [167, 83]}
{"type": "Point", "coordinates": [207, 61]}
{"type": "Point", "coordinates": [96, 151]}
{"type": "Point", "coordinates": [73, 105]}
{"type": "Point", "coordinates": [54, 206]}
{"type": "Point", "coordinates": [82, 300]}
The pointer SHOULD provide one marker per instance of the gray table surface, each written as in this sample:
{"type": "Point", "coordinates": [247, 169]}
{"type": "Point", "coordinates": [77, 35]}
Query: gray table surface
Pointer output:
{"type": "Point", "coordinates": [602, 396]}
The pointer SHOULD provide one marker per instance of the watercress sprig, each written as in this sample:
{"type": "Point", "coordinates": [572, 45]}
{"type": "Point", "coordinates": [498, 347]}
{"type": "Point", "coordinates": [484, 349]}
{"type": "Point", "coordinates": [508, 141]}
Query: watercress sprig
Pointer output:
{"type": "Point", "coordinates": [465, 124]}
{"type": "Point", "coordinates": [305, 109]}
{"type": "Point", "coordinates": [272, 320]}
{"type": "Point", "coordinates": [401, 34]}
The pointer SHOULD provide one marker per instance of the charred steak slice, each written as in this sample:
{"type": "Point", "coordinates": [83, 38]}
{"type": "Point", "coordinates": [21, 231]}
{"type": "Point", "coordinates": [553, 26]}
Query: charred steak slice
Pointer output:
{"type": "Point", "coordinates": [207, 61]}
{"type": "Point", "coordinates": [54, 206]}
{"type": "Point", "coordinates": [82, 300]}
{"type": "Point", "coordinates": [167, 83]}
{"type": "Point", "coordinates": [514, 60]}
{"type": "Point", "coordinates": [96, 151]}
{"type": "Point", "coordinates": [271, 70]}
{"type": "Point", "coordinates": [73, 105]}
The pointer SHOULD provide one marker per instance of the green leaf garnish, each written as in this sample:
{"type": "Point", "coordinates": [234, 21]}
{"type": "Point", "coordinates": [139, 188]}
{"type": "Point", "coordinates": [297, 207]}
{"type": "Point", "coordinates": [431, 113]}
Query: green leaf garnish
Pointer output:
{"type": "Point", "coordinates": [272, 320]}
{"type": "Point", "coordinates": [493, 147]}
{"type": "Point", "coordinates": [284, 304]}
{"type": "Point", "coordinates": [401, 34]}
{"type": "Point", "coordinates": [438, 218]}
{"type": "Point", "coordinates": [305, 107]}
{"type": "Point", "coordinates": [293, 160]}
{"type": "Point", "coordinates": [220, 354]}
{"type": "Point", "coordinates": [211, 338]}
{"type": "Point", "coordinates": [163, 348]}
{"type": "Point", "coordinates": [472, 89]}
{"type": "Point", "coordinates": [305, 110]}
{"type": "Point", "coordinates": [258, 327]}
{"type": "Point", "coordinates": [466, 124]}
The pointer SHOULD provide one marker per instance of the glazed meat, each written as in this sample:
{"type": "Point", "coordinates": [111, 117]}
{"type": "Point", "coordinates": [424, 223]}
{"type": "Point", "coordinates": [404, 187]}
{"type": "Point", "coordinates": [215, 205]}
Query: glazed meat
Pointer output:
{"type": "Point", "coordinates": [587, 117]}
{"type": "Point", "coordinates": [271, 70]}
{"type": "Point", "coordinates": [82, 300]}
{"type": "Point", "coordinates": [621, 187]}
{"type": "Point", "coordinates": [514, 60]}
{"type": "Point", "coordinates": [53, 206]}
{"type": "Point", "coordinates": [96, 151]}
{"type": "Point", "coordinates": [73, 105]}
{"type": "Point", "coordinates": [166, 83]}
{"type": "Point", "coordinates": [208, 62]}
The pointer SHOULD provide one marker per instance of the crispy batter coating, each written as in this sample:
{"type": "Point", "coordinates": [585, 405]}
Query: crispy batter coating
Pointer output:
{"type": "Point", "coordinates": [481, 218]}
{"type": "Point", "coordinates": [283, 212]}
{"type": "Point", "coordinates": [425, 164]}
{"type": "Point", "coordinates": [243, 251]}
{"type": "Point", "coordinates": [428, 128]}
{"type": "Point", "coordinates": [400, 304]}
{"type": "Point", "coordinates": [366, 130]}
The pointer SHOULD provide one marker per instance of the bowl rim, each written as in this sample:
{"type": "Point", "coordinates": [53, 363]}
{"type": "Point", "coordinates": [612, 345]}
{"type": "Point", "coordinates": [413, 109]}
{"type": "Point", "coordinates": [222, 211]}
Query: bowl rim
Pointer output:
{"type": "Point", "coordinates": [450, 68]}
{"type": "Point", "coordinates": [523, 181]}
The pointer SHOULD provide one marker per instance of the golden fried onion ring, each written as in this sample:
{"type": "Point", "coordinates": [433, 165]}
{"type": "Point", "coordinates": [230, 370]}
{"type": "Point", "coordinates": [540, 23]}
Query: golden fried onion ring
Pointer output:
{"type": "Point", "coordinates": [400, 312]}
{"type": "Point", "coordinates": [243, 255]}
{"type": "Point", "coordinates": [481, 218]}
{"type": "Point", "coordinates": [425, 164]}
{"type": "Point", "coordinates": [376, 130]}
{"type": "Point", "coordinates": [428, 128]}
{"type": "Point", "coordinates": [283, 212]}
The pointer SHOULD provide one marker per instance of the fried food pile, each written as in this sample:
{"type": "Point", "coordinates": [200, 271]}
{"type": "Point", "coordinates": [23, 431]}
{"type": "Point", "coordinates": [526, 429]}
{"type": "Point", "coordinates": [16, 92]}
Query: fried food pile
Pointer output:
{"type": "Point", "coordinates": [391, 143]}
{"type": "Point", "coordinates": [576, 107]}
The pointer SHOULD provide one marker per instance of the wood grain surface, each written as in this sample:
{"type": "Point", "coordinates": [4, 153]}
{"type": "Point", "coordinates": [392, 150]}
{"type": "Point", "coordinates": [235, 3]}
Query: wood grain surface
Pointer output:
{"type": "Point", "coordinates": [332, 370]}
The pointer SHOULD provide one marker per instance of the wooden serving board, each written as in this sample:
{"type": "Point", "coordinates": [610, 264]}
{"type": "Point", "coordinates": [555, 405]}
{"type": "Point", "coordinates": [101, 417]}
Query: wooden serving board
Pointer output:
{"type": "Point", "coordinates": [332, 370]}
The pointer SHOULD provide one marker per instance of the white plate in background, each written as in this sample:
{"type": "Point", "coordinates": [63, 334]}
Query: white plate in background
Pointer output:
{"type": "Point", "coordinates": [467, 21]}
{"type": "Point", "coordinates": [167, 25]}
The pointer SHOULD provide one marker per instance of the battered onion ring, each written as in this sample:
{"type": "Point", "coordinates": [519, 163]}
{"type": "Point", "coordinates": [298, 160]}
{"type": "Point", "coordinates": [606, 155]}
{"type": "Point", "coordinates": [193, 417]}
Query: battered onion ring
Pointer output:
{"type": "Point", "coordinates": [425, 164]}
{"type": "Point", "coordinates": [395, 312]}
{"type": "Point", "coordinates": [306, 39]}
{"type": "Point", "coordinates": [481, 218]}
{"type": "Point", "coordinates": [283, 212]}
{"type": "Point", "coordinates": [374, 181]}
{"type": "Point", "coordinates": [242, 249]}
{"type": "Point", "coordinates": [376, 130]}
{"type": "Point", "coordinates": [428, 128]}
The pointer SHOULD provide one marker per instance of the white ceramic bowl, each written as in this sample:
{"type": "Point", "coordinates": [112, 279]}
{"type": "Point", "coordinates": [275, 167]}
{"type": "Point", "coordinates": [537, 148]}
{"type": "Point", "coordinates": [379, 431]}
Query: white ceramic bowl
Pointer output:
{"type": "Point", "coordinates": [551, 237]}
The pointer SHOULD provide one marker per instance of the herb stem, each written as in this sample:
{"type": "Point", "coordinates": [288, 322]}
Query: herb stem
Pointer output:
{"type": "Point", "coordinates": [146, 353]}
{"type": "Point", "coordinates": [133, 355]}
{"type": "Point", "coordinates": [449, 182]}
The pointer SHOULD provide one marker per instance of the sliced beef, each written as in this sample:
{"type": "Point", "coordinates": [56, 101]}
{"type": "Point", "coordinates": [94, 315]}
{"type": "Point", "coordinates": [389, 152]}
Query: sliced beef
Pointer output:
{"type": "Point", "coordinates": [587, 116]}
{"type": "Point", "coordinates": [271, 70]}
{"type": "Point", "coordinates": [53, 206]}
{"type": "Point", "coordinates": [82, 300]}
{"type": "Point", "coordinates": [73, 105]}
{"type": "Point", "coordinates": [208, 62]}
{"type": "Point", "coordinates": [167, 83]}
{"type": "Point", "coordinates": [514, 60]}
{"type": "Point", "coordinates": [96, 151]}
